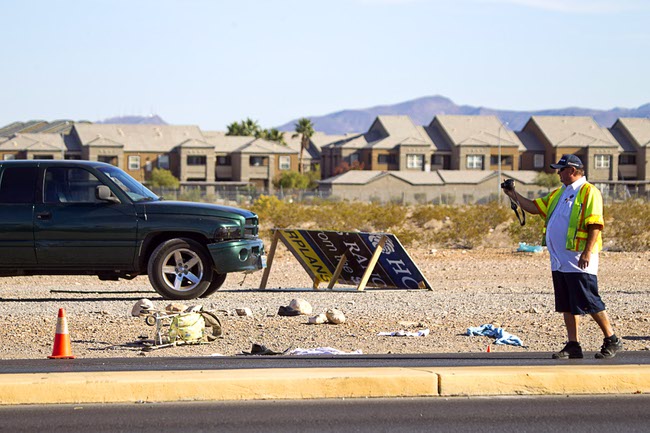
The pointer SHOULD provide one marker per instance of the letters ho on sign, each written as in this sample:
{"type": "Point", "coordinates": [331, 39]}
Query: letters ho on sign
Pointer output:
{"type": "Point", "coordinates": [353, 258]}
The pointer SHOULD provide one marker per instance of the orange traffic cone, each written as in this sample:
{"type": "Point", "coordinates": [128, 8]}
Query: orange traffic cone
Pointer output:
{"type": "Point", "coordinates": [61, 348]}
{"type": "Point", "coordinates": [489, 348]}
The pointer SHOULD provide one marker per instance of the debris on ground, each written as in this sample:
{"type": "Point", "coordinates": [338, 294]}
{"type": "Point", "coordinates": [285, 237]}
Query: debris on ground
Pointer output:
{"type": "Point", "coordinates": [501, 336]}
{"type": "Point", "coordinates": [322, 351]}
{"type": "Point", "coordinates": [246, 312]}
{"type": "Point", "coordinates": [525, 248]}
{"type": "Point", "coordinates": [402, 333]}
{"type": "Point", "coordinates": [259, 349]}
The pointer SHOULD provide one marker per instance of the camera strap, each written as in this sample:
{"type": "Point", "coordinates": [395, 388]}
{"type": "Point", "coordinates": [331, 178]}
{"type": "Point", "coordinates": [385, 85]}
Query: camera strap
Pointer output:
{"type": "Point", "coordinates": [515, 206]}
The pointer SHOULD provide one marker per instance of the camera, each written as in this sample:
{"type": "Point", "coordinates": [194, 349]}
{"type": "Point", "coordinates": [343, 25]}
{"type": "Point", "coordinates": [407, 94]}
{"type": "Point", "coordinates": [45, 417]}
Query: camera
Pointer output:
{"type": "Point", "coordinates": [508, 184]}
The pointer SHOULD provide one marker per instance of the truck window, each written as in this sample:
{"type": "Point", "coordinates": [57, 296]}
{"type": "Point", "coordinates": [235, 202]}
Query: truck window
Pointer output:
{"type": "Point", "coordinates": [18, 185]}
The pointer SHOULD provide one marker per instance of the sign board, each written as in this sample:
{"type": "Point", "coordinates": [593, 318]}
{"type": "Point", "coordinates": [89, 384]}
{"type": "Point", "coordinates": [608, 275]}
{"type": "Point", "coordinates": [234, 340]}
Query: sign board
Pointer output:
{"type": "Point", "coordinates": [353, 258]}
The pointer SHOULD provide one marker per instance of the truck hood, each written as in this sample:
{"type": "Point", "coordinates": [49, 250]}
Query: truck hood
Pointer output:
{"type": "Point", "coordinates": [191, 208]}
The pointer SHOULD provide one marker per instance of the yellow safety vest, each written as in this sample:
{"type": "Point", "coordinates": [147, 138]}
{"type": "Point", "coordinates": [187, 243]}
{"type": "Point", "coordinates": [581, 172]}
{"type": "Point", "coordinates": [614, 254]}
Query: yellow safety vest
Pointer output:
{"type": "Point", "coordinates": [587, 209]}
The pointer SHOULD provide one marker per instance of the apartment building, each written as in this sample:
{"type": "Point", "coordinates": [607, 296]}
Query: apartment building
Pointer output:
{"type": "Point", "coordinates": [395, 155]}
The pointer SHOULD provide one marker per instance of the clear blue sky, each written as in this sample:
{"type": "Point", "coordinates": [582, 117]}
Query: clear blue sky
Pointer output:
{"type": "Point", "coordinates": [212, 62]}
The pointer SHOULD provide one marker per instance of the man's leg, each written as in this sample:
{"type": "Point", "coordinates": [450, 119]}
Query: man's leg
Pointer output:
{"type": "Point", "coordinates": [602, 319]}
{"type": "Point", "coordinates": [572, 322]}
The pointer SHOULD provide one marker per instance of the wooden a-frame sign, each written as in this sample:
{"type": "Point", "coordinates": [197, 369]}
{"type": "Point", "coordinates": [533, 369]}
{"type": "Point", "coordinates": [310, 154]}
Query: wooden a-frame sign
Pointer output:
{"type": "Point", "coordinates": [352, 258]}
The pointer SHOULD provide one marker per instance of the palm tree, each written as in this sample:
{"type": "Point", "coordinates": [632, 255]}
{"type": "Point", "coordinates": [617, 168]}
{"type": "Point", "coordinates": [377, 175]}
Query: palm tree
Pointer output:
{"type": "Point", "coordinates": [272, 134]}
{"type": "Point", "coordinates": [305, 129]}
{"type": "Point", "coordinates": [248, 128]}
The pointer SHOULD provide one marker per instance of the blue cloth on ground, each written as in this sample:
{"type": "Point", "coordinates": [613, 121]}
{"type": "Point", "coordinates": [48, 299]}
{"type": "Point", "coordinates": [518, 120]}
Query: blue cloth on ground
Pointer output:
{"type": "Point", "coordinates": [523, 247]}
{"type": "Point", "coordinates": [502, 337]}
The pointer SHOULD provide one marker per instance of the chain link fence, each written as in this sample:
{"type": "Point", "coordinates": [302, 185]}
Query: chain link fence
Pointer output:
{"type": "Point", "coordinates": [241, 194]}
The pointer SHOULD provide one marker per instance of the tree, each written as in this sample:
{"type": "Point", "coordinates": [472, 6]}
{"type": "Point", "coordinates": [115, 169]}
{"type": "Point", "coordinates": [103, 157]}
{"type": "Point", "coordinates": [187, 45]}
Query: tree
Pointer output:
{"type": "Point", "coordinates": [547, 180]}
{"type": "Point", "coordinates": [161, 178]}
{"type": "Point", "coordinates": [250, 128]}
{"type": "Point", "coordinates": [292, 180]}
{"type": "Point", "coordinates": [305, 129]}
{"type": "Point", "coordinates": [246, 128]}
{"type": "Point", "coordinates": [272, 134]}
{"type": "Point", "coordinates": [344, 167]}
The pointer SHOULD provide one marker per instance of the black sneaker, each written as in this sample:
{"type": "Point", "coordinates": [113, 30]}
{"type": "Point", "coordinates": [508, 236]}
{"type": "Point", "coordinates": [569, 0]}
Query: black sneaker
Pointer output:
{"type": "Point", "coordinates": [609, 348]}
{"type": "Point", "coordinates": [572, 350]}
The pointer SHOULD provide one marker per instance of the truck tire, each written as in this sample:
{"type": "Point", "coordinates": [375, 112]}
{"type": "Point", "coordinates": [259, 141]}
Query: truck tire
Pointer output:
{"type": "Point", "coordinates": [215, 284]}
{"type": "Point", "coordinates": [180, 269]}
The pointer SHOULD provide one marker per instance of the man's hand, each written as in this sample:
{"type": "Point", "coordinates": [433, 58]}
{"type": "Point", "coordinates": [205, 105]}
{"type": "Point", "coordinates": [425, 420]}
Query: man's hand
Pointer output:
{"type": "Point", "coordinates": [584, 259]}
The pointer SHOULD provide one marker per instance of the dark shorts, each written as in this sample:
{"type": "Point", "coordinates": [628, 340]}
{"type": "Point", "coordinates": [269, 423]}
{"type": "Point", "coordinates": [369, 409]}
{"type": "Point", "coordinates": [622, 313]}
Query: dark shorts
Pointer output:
{"type": "Point", "coordinates": [576, 293]}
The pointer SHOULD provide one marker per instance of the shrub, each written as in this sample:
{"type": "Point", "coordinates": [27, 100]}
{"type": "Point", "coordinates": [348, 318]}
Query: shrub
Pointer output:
{"type": "Point", "coordinates": [626, 225]}
{"type": "Point", "coordinates": [531, 233]}
{"type": "Point", "coordinates": [161, 178]}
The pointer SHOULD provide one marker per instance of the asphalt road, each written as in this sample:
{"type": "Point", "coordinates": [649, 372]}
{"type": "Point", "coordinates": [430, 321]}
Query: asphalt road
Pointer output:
{"type": "Point", "coordinates": [476, 415]}
{"type": "Point", "coordinates": [245, 362]}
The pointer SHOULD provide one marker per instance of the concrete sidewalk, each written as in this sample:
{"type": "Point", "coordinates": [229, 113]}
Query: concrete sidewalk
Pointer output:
{"type": "Point", "coordinates": [312, 383]}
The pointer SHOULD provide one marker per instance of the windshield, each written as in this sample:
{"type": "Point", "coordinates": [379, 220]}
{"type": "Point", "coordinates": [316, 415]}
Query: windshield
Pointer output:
{"type": "Point", "coordinates": [130, 186]}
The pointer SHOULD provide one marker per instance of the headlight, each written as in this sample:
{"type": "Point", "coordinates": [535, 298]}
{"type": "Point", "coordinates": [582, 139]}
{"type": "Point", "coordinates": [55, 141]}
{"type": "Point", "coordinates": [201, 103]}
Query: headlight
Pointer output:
{"type": "Point", "coordinates": [227, 232]}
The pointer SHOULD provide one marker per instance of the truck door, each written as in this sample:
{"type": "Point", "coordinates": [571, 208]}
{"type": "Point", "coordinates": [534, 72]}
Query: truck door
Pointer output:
{"type": "Point", "coordinates": [73, 229]}
{"type": "Point", "coordinates": [17, 192]}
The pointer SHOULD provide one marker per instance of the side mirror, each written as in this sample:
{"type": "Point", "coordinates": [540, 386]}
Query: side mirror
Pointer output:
{"type": "Point", "coordinates": [103, 193]}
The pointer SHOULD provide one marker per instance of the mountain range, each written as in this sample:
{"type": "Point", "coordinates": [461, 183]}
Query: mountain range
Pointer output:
{"type": "Point", "coordinates": [422, 111]}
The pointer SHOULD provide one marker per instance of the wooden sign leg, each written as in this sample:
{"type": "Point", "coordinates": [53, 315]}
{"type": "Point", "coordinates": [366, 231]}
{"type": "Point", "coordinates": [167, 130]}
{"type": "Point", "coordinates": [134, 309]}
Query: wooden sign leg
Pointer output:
{"type": "Point", "coordinates": [372, 263]}
{"type": "Point", "coordinates": [269, 260]}
{"type": "Point", "coordinates": [337, 271]}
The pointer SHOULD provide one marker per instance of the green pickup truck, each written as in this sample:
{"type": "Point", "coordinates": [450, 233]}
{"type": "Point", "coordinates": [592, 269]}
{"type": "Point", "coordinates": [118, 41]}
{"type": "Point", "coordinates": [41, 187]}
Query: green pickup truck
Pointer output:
{"type": "Point", "coordinates": [64, 217]}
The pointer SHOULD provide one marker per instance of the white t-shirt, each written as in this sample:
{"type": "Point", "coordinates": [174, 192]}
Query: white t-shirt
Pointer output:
{"type": "Point", "coordinates": [562, 259]}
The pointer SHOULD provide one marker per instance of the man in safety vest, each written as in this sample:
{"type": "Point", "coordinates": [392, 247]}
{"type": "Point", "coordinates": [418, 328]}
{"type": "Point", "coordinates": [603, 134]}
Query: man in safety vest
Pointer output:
{"type": "Point", "coordinates": [573, 216]}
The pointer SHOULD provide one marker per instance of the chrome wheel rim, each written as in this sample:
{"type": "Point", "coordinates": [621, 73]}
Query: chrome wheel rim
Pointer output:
{"type": "Point", "coordinates": [182, 270]}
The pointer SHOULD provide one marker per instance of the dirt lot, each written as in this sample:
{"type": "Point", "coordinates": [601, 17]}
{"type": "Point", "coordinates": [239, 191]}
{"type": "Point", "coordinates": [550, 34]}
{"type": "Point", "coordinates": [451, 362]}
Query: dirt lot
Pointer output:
{"type": "Point", "coordinates": [470, 288]}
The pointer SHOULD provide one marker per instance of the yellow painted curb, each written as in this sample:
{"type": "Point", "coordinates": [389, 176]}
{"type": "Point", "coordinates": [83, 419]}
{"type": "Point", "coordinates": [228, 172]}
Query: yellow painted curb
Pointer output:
{"type": "Point", "coordinates": [256, 384]}
{"type": "Point", "coordinates": [310, 383]}
{"type": "Point", "coordinates": [544, 380]}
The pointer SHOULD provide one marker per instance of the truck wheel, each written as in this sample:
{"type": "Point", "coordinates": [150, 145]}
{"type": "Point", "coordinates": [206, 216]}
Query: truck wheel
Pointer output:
{"type": "Point", "coordinates": [217, 282]}
{"type": "Point", "coordinates": [180, 269]}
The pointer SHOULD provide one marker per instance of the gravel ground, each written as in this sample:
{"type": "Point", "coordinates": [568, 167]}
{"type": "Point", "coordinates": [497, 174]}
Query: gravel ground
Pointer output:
{"type": "Point", "coordinates": [470, 288]}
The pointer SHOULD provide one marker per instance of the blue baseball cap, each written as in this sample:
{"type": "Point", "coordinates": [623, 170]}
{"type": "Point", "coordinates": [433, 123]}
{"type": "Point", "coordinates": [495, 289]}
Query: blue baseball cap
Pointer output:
{"type": "Point", "coordinates": [568, 161]}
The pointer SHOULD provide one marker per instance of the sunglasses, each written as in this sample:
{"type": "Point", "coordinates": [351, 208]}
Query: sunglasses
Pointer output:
{"type": "Point", "coordinates": [562, 169]}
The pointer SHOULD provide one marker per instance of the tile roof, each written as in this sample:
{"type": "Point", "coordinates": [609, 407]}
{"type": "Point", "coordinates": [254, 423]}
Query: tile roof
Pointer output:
{"type": "Point", "coordinates": [574, 131]}
{"type": "Point", "coordinates": [478, 131]}
{"type": "Point", "coordinates": [34, 142]}
{"type": "Point", "coordinates": [466, 176]}
{"type": "Point", "coordinates": [139, 138]}
{"type": "Point", "coordinates": [639, 128]}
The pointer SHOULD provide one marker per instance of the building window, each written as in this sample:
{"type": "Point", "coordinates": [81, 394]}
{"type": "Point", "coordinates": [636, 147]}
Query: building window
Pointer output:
{"type": "Point", "coordinates": [148, 166]}
{"type": "Point", "coordinates": [474, 162]}
{"type": "Point", "coordinates": [256, 161]}
{"type": "Point", "coordinates": [48, 156]}
{"type": "Point", "coordinates": [622, 160]}
{"type": "Point", "coordinates": [354, 158]}
{"type": "Point", "coordinates": [602, 161]}
{"type": "Point", "coordinates": [8, 157]}
{"type": "Point", "coordinates": [108, 159]}
{"type": "Point", "coordinates": [195, 159]}
{"type": "Point", "coordinates": [134, 163]}
{"type": "Point", "coordinates": [223, 160]}
{"type": "Point", "coordinates": [415, 161]}
{"type": "Point", "coordinates": [538, 160]}
{"type": "Point", "coordinates": [163, 162]}
{"type": "Point", "coordinates": [386, 159]}
{"type": "Point", "coordinates": [284, 162]}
